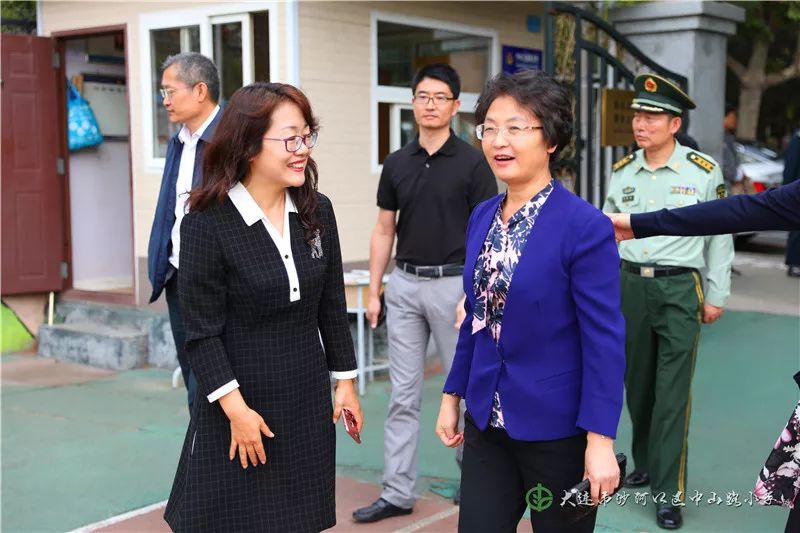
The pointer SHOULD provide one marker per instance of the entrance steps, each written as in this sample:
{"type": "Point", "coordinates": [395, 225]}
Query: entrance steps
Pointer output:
{"type": "Point", "coordinates": [116, 337]}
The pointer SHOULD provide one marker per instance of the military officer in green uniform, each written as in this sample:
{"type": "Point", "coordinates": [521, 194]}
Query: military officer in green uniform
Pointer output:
{"type": "Point", "coordinates": [663, 296]}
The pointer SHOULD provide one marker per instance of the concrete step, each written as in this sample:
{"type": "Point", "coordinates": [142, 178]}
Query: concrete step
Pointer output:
{"type": "Point", "coordinates": [154, 324]}
{"type": "Point", "coordinates": [89, 343]}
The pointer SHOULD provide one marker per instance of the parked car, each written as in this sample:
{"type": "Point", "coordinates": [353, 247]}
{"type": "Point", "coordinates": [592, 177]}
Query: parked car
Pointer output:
{"type": "Point", "coordinates": [762, 168]}
{"type": "Point", "coordinates": [761, 165]}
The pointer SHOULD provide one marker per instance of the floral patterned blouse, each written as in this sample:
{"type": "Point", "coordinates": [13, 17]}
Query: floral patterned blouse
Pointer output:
{"type": "Point", "coordinates": [494, 269]}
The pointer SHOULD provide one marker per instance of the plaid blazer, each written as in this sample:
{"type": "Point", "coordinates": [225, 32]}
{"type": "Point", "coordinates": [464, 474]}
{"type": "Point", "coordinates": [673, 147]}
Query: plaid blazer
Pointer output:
{"type": "Point", "coordinates": [240, 325]}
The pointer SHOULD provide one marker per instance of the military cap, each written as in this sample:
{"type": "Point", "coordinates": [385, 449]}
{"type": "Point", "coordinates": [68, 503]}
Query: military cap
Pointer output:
{"type": "Point", "coordinates": [655, 94]}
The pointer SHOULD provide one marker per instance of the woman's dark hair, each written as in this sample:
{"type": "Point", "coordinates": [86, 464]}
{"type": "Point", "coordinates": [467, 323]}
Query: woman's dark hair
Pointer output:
{"type": "Point", "coordinates": [542, 95]}
{"type": "Point", "coordinates": [239, 138]}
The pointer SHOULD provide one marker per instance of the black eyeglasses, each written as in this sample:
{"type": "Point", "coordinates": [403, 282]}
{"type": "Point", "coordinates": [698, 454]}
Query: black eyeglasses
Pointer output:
{"type": "Point", "coordinates": [425, 99]}
{"type": "Point", "coordinates": [294, 142]}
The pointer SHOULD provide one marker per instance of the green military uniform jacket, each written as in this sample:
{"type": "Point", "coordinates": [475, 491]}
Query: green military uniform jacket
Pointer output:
{"type": "Point", "coordinates": [688, 178]}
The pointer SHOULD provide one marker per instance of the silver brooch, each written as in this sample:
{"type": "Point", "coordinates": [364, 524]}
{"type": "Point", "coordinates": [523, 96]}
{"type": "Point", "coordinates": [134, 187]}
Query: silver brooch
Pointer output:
{"type": "Point", "coordinates": [316, 246]}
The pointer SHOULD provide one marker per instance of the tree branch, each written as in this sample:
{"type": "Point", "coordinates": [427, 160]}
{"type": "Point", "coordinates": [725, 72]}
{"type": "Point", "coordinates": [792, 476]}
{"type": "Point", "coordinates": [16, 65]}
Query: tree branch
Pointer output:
{"type": "Point", "coordinates": [736, 67]}
{"type": "Point", "coordinates": [790, 72]}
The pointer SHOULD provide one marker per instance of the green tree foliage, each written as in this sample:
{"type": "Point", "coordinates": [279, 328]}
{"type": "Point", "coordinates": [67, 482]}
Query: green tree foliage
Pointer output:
{"type": "Point", "coordinates": [18, 16]}
{"type": "Point", "coordinates": [764, 55]}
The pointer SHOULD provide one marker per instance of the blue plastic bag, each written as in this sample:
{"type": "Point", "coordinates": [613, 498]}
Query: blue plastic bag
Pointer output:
{"type": "Point", "coordinates": [82, 128]}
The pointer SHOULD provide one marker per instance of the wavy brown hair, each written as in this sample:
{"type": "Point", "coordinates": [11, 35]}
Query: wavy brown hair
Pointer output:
{"type": "Point", "coordinates": [238, 139]}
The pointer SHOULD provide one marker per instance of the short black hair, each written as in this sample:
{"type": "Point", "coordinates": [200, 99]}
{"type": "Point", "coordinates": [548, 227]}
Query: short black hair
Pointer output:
{"type": "Point", "coordinates": [441, 72]}
{"type": "Point", "coordinates": [194, 68]}
{"type": "Point", "coordinates": [729, 107]}
{"type": "Point", "coordinates": [540, 94]}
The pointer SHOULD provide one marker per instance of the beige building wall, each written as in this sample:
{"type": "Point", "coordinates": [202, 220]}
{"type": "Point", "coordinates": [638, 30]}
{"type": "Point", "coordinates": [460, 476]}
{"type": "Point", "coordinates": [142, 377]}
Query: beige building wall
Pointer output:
{"type": "Point", "coordinates": [335, 54]}
{"type": "Point", "coordinates": [71, 16]}
{"type": "Point", "coordinates": [335, 73]}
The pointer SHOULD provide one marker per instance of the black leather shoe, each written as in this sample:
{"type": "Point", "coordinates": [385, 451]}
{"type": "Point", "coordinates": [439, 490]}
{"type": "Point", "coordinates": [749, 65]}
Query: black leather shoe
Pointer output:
{"type": "Point", "coordinates": [668, 517]}
{"type": "Point", "coordinates": [637, 479]}
{"type": "Point", "coordinates": [378, 511]}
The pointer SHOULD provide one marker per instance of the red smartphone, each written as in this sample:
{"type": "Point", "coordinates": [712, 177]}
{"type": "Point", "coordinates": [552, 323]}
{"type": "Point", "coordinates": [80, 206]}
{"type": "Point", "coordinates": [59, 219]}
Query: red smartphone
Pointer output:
{"type": "Point", "coordinates": [350, 425]}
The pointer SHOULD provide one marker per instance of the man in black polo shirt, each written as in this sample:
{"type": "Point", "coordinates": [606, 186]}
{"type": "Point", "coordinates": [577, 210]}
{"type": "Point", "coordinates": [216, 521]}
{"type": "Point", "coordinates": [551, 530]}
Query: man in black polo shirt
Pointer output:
{"type": "Point", "coordinates": [426, 193]}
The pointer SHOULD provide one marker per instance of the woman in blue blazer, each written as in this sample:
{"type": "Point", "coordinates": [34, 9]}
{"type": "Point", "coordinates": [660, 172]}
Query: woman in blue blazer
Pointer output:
{"type": "Point", "coordinates": [544, 396]}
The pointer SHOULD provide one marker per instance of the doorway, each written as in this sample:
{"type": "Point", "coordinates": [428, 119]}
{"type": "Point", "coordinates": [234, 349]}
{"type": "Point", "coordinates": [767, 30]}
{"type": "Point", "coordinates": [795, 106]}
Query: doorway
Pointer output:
{"type": "Point", "coordinates": [99, 192]}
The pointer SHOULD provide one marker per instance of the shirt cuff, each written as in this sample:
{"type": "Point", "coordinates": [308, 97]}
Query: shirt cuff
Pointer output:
{"type": "Point", "coordinates": [347, 374]}
{"type": "Point", "coordinates": [222, 391]}
{"type": "Point", "coordinates": [715, 298]}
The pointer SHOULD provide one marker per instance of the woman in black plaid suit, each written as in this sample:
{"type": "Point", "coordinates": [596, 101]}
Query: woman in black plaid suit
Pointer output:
{"type": "Point", "coordinates": [260, 282]}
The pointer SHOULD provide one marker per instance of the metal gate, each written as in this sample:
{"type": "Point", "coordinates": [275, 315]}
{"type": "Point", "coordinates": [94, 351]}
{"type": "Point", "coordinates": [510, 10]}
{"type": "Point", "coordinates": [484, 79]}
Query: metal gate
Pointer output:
{"type": "Point", "coordinates": [586, 52]}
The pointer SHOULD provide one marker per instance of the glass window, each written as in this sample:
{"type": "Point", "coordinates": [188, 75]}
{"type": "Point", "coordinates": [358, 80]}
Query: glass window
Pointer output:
{"type": "Point", "coordinates": [227, 41]}
{"type": "Point", "coordinates": [408, 127]}
{"type": "Point", "coordinates": [238, 43]}
{"type": "Point", "coordinates": [397, 130]}
{"type": "Point", "coordinates": [164, 43]}
{"type": "Point", "coordinates": [464, 125]}
{"type": "Point", "coordinates": [402, 50]}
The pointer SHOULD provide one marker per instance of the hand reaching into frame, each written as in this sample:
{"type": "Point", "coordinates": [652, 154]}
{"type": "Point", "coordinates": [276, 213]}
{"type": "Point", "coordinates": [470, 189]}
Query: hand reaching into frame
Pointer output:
{"type": "Point", "coordinates": [622, 226]}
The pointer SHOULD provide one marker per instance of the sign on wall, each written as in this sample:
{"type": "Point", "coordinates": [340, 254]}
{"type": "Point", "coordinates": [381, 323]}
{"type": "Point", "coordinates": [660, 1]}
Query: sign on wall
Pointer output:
{"type": "Point", "coordinates": [616, 117]}
{"type": "Point", "coordinates": [516, 59]}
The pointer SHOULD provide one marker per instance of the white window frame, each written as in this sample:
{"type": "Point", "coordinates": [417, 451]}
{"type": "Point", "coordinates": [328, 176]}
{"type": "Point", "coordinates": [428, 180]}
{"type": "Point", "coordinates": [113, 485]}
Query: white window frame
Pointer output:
{"type": "Point", "coordinates": [248, 65]}
{"type": "Point", "coordinates": [203, 16]}
{"type": "Point", "coordinates": [402, 95]}
{"type": "Point", "coordinates": [394, 122]}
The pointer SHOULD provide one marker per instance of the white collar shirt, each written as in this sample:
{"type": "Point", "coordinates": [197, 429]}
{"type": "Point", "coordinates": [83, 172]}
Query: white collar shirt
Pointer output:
{"type": "Point", "coordinates": [252, 213]}
{"type": "Point", "coordinates": [184, 182]}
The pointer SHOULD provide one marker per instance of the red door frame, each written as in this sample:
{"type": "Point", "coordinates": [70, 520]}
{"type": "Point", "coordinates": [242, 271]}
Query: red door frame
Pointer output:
{"type": "Point", "coordinates": [70, 293]}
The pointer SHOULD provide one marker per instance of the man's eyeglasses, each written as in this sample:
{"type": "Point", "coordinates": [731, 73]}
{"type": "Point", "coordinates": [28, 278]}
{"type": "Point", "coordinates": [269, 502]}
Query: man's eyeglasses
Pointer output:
{"type": "Point", "coordinates": [425, 99]}
{"type": "Point", "coordinates": [166, 94]}
{"type": "Point", "coordinates": [294, 142]}
{"type": "Point", "coordinates": [482, 131]}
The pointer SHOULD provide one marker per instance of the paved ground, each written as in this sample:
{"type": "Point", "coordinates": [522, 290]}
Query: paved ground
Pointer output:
{"type": "Point", "coordinates": [80, 446]}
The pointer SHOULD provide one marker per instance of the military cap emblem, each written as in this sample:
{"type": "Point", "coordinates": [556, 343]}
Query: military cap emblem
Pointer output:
{"type": "Point", "coordinates": [655, 94]}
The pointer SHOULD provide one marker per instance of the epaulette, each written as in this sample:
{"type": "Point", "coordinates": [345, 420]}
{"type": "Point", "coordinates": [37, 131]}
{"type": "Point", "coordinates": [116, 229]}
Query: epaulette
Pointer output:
{"type": "Point", "coordinates": [624, 161]}
{"type": "Point", "coordinates": [700, 161]}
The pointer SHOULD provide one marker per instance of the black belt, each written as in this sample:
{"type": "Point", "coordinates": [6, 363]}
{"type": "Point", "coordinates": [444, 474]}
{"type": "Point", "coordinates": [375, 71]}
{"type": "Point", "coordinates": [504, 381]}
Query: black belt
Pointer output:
{"type": "Point", "coordinates": [654, 271]}
{"type": "Point", "coordinates": [453, 269]}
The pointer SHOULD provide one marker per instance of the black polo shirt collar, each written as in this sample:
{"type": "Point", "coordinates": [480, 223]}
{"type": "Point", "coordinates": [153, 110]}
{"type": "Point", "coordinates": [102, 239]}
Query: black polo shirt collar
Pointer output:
{"type": "Point", "coordinates": [449, 148]}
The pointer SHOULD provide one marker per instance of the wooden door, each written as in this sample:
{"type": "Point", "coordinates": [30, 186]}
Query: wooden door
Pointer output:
{"type": "Point", "coordinates": [32, 187]}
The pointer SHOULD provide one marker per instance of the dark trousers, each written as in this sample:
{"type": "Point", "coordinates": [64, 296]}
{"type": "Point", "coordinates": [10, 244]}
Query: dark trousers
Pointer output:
{"type": "Point", "coordinates": [793, 248]}
{"type": "Point", "coordinates": [179, 334]}
{"type": "Point", "coordinates": [662, 322]}
{"type": "Point", "coordinates": [498, 472]}
{"type": "Point", "coordinates": [793, 522]}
